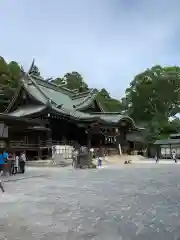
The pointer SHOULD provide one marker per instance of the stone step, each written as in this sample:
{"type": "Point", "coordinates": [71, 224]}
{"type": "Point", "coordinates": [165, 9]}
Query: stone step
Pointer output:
{"type": "Point", "coordinates": [49, 163]}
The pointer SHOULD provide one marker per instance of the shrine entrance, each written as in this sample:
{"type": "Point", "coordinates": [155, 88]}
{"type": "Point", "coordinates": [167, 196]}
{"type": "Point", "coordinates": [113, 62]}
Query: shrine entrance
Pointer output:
{"type": "Point", "coordinates": [113, 138]}
{"type": "Point", "coordinates": [103, 136]}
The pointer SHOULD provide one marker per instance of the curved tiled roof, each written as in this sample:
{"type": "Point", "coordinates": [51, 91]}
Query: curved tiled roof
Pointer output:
{"type": "Point", "coordinates": [58, 95]}
{"type": "Point", "coordinates": [64, 102]}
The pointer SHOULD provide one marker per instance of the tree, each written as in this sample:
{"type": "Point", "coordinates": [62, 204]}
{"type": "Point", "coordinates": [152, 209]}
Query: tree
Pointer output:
{"type": "Point", "coordinates": [104, 93]}
{"type": "Point", "coordinates": [73, 80]}
{"type": "Point", "coordinates": [154, 92]}
{"type": "Point", "coordinates": [4, 72]}
{"type": "Point", "coordinates": [14, 73]}
{"type": "Point", "coordinates": [152, 98]}
{"type": "Point", "coordinates": [9, 78]}
{"type": "Point", "coordinates": [59, 81]}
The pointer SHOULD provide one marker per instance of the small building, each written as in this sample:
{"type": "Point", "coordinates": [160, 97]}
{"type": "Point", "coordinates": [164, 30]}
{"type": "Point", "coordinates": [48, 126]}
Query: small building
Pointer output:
{"type": "Point", "coordinates": [165, 147]}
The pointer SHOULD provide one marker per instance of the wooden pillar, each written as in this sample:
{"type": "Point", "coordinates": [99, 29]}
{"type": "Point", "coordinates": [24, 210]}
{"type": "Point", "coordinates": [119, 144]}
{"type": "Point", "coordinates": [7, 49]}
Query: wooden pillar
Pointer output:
{"type": "Point", "coordinates": [89, 135]}
{"type": "Point", "coordinates": [39, 149]}
{"type": "Point", "coordinates": [49, 143]}
{"type": "Point", "coordinates": [89, 140]}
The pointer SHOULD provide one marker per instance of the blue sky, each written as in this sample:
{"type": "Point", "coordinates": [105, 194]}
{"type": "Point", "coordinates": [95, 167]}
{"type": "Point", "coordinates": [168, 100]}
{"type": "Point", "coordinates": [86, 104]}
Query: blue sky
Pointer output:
{"type": "Point", "coordinates": [107, 41]}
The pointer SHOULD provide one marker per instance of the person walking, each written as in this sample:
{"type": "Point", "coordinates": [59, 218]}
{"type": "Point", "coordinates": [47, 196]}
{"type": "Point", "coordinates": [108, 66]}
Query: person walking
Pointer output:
{"type": "Point", "coordinates": [22, 162]}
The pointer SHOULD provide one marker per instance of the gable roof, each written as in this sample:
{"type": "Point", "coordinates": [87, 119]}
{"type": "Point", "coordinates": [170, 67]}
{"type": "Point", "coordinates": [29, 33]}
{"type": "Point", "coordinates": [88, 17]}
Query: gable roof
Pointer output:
{"type": "Point", "coordinates": [62, 101]}
{"type": "Point", "coordinates": [167, 141]}
{"type": "Point", "coordinates": [59, 94]}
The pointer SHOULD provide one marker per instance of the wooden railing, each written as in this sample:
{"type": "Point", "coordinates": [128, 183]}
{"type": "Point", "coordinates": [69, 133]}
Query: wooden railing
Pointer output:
{"type": "Point", "coordinates": [41, 144]}
{"type": "Point", "coordinates": [23, 144]}
{"type": "Point", "coordinates": [20, 144]}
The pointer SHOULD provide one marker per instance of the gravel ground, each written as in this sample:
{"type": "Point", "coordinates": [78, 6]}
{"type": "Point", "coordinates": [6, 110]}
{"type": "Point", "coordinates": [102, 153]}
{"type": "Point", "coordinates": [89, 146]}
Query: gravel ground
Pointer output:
{"type": "Point", "coordinates": [129, 202]}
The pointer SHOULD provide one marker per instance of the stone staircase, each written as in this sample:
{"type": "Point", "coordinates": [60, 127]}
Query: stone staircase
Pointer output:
{"type": "Point", "coordinates": [117, 159]}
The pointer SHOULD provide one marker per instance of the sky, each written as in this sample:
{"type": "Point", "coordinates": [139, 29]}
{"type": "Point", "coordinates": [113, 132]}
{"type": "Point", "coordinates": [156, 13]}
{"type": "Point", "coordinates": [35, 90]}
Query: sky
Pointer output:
{"type": "Point", "coordinates": [107, 41]}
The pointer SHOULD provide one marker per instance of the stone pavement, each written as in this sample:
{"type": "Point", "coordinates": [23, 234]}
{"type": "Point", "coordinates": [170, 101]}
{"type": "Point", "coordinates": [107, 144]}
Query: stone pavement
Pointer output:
{"type": "Point", "coordinates": [31, 172]}
{"type": "Point", "coordinates": [119, 202]}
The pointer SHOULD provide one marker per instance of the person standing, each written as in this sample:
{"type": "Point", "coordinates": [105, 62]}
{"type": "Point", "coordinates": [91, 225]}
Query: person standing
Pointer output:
{"type": "Point", "coordinates": [74, 157]}
{"type": "Point", "coordinates": [1, 184]}
{"type": "Point", "coordinates": [2, 162]}
{"type": "Point", "coordinates": [3, 157]}
{"type": "Point", "coordinates": [10, 162]}
{"type": "Point", "coordinates": [22, 162]}
{"type": "Point", "coordinates": [16, 168]}
{"type": "Point", "coordinates": [100, 156]}
{"type": "Point", "coordinates": [92, 152]}
{"type": "Point", "coordinates": [156, 158]}
{"type": "Point", "coordinates": [174, 156]}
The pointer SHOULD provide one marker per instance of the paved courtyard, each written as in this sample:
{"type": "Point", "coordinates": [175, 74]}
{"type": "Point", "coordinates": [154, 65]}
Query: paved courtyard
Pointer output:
{"type": "Point", "coordinates": [123, 203]}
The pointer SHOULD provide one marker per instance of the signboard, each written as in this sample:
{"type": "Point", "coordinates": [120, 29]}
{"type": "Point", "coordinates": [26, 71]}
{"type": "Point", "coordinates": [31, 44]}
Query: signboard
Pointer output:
{"type": "Point", "coordinates": [3, 130]}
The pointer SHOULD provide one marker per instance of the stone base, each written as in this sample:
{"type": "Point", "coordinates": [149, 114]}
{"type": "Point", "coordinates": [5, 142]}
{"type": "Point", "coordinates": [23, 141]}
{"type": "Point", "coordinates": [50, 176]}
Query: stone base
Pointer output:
{"type": "Point", "coordinates": [49, 163]}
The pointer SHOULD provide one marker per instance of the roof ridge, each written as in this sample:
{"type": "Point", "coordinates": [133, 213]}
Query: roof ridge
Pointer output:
{"type": "Point", "coordinates": [13, 98]}
{"type": "Point", "coordinates": [49, 100]}
{"type": "Point", "coordinates": [109, 113]}
{"type": "Point", "coordinates": [93, 91]}
{"type": "Point", "coordinates": [100, 105]}
{"type": "Point", "coordinates": [53, 86]}
{"type": "Point", "coordinates": [80, 95]}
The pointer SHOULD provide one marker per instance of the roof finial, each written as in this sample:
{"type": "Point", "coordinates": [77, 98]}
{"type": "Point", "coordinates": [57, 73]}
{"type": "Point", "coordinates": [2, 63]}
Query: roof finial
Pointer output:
{"type": "Point", "coordinates": [32, 66]}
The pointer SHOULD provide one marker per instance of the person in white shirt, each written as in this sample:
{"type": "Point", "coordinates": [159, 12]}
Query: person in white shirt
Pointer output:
{"type": "Point", "coordinates": [22, 162]}
{"type": "Point", "coordinates": [74, 157]}
{"type": "Point", "coordinates": [16, 164]}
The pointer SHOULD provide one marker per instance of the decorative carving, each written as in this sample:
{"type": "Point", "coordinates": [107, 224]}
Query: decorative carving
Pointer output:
{"type": "Point", "coordinates": [106, 131]}
{"type": "Point", "coordinates": [111, 132]}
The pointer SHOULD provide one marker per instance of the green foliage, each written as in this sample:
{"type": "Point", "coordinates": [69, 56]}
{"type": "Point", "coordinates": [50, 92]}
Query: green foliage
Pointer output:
{"type": "Point", "coordinates": [9, 80]}
{"type": "Point", "coordinates": [104, 93]}
{"type": "Point", "coordinates": [14, 73]}
{"type": "Point", "coordinates": [109, 104]}
{"type": "Point", "coordinates": [9, 74]}
{"type": "Point", "coordinates": [155, 91]}
{"type": "Point", "coordinates": [58, 81]}
{"type": "Point", "coordinates": [153, 97]}
{"type": "Point", "coordinates": [73, 81]}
